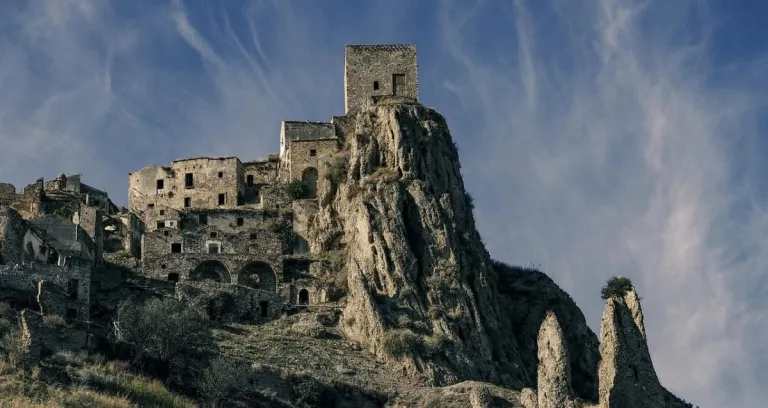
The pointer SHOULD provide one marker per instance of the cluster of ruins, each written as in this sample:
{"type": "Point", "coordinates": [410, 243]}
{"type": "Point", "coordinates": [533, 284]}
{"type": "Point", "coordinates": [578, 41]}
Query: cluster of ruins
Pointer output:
{"type": "Point", "coordinates": [198, 221]}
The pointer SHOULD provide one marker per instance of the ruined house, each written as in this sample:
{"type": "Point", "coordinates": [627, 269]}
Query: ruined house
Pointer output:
{"type": "Point", "coordinates": [226, 220]}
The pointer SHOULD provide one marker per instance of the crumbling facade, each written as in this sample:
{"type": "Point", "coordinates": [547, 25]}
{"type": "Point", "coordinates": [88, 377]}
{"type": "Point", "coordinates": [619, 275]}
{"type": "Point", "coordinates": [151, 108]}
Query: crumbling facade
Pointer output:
{"type": "Point", "coordinates": [201, 219]}
{"type": "Point", "coordinates": [245, 222]}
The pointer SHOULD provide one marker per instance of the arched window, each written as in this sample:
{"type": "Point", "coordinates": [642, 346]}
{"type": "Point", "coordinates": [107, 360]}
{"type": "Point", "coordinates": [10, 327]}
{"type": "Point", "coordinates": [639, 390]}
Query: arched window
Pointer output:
{"type": "Point", "coordinates": [258, 275]}
{"type": "Point", "coordinates": [303, 297]}
{"type": "Point", "coordinates": [211, 270]}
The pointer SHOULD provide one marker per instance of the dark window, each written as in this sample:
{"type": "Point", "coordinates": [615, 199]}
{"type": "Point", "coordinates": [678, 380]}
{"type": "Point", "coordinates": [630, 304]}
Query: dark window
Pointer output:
{"type": "Point", "coordinates": [375, 85]}
{"type": "Point", "coordinates": [73, 288]}
{"type": "Point", "coordinates": [160, 224]}
{"type": "Point", "coordinates": [150, 206]}
{"type": "Point", "coordinates": [203, 219]}
{"type": "Point", "coordinates": [312, 152]}
{"type": "Point", "coordinates": [173, 277]}
{"type": "Point", "coordinates": [221, 199]}
{"type": "Point", "coordinates": [160, 184]}
{"type": "Point", "coordinates": [264, 306]}
{"type": "Point", "coordinates": [221, 174]}
{"type": "Point", "coordinates": [187, 202]}
{"type": "Point", "coordinates": [162, 212]}
{"type": "Point", "coordinates": [239, 222]}
{"type": "Point", "coordinates": [71, 315]}
{"type": "Point", "coordinates": [253, 235]}
{"type": "Point", "coordinates": [166, 233]}
{"type": "Point", "coordinates": [249, 179]}
{"type": "Point", "coordinates": [176, 248]}
{"type": "Point", "coordinates": [189, 181]}
{"type": "Point", "coordinates": [170, 194]}
{"type": "Point", "coordinates": [398, 84]}
{"type": "Point", "coordinates": [213, 248]}
{"type": "Point", "coordinates": [213, 235]}
{"type": "Point", "coordinates": [163, 266]}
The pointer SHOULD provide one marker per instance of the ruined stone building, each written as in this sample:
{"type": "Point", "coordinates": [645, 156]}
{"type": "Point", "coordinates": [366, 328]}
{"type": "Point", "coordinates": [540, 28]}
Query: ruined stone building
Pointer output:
{"type": "Point", "coordinates": [217, 219]}
{"type": "Point", "coordinates": [244, 222]}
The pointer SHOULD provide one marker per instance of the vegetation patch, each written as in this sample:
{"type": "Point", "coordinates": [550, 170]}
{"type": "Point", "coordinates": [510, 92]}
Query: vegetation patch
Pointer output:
{"type": "Point", "coordinates": [404, 342]}
{"type": "Point", "coordinates": [616, 287]}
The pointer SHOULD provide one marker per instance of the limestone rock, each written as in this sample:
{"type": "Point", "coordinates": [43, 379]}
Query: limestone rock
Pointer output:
{"type": "Point", "coordinates": [627, 376]}
{"type": "Point", "coordinates": [412, 247]}
{"type": "Point", "coordinates": [554, 380]}
{"type": "Point", "coordinates": [529, 398]}
{"type": "Point", "coordinates": [527, 295]}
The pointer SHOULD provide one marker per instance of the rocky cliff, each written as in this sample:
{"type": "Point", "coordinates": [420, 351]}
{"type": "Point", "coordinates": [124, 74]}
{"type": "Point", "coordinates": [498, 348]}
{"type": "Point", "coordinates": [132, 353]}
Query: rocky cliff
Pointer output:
{"type": "Point", "coordinates": [422, 289]}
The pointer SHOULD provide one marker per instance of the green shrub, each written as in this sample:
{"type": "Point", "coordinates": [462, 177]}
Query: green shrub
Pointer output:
{"type": "Point", "coordinates": [617, 287]}
{"type": "Point", "coordinates": [222, 378]}
{"type": "Point", "coordinates": [435, 343]}
{"type": "Point", "coordinates": [401, 342]}
{"type": "Point", "coordinates": [162, 329]}
{"type": "Point", "coordinates": [297, 190]}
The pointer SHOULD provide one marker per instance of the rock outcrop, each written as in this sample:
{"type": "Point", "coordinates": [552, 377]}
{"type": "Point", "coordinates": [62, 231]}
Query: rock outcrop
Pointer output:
{"type": "Point", "coordinates": [415, 261]}
{"type": "Point", "coordinates": [627, 376]}
{"type": "Point", "coordinates": [554, 379]}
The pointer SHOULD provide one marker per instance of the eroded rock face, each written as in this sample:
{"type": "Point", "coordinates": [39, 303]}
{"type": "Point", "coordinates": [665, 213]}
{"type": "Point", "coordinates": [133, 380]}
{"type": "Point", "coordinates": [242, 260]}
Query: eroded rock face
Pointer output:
{"type": "Point", "coordinates": [554, 376]}
{"type": "Point", "coordinates": [627, 376]}
{"type": "Point", "coordinates": [527, 296]}
{"type": "Point", "coordinates": [415, 260]}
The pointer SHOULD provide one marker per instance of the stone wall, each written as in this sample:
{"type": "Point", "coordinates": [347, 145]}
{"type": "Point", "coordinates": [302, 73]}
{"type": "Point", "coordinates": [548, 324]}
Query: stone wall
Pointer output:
{"type": "Point", "coordinates": [210, 178]}
{"type": "Point", "coordinates": [257, 174]}
{"type": "Point", "coordinates": [243, 303]}
{"type": "Point", "coordinates": [183, 266]}
{"type": "Point", "coordinates": [90, 219]}
{"type": "Point", "coordinates": [12, 231]}
{"type": "Point", "coordinates": [303, 210]}
{"type": "Point", "coordinates": [305, 154]}
{"type": "Point", "coordinates": [51, 284]}
{"type": "Point", "coordinates": [7, 193]}
{"type": "Point", "coordinates": [367, 67]}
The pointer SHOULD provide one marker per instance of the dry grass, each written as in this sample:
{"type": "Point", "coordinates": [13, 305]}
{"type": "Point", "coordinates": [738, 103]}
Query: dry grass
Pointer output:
{"type": "Point", "coordinates": [98, 385]}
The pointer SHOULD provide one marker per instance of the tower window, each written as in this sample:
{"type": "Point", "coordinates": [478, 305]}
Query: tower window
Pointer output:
{"type": "Point", "coordinates": [189, 181]}
{"type": "Point", "coordinates": [375, 85]}
{"type": "Point", "coordinates": [313, 153]}
{"type": "Point", "coordinates": [212, 235]}
{"type": "Point", "coordinates": [160, 184]}
{"type": "Point", "coordinates": [239, 222]}
{"type": "Point", "coordinates": [187, 202]}
{"type": "Point", "coordinates": [249, 179]}
{"type": "Point", "coordinates": [221, 199]}
{"type": "Point", "coordinates": [176, 248]}
{"type": "Point", "coordinates": [162, 212]}
{"type": "Point", "coordinates": [221, 174]}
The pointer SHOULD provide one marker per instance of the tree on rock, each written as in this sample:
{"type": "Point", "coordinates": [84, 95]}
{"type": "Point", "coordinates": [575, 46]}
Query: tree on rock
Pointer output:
{"type": "Point", "coordinates": [617, 286]}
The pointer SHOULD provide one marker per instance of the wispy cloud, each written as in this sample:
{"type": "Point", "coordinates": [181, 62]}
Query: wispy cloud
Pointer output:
{"type": "Point", "coordinates": [615, 157]}
{"type": "Point", "coordinates": [598, 138]}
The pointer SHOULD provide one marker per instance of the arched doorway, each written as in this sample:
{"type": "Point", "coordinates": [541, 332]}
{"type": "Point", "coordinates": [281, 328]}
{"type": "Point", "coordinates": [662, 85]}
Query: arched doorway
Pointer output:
{"type": "Point", "coordinates": [210, 270]}
{"type": "Point", "coordinates": [303, 297]}
{"type": "Point", "coordinates": [309, 178]}
{"type": "Point", "coordinates": [258, 275]}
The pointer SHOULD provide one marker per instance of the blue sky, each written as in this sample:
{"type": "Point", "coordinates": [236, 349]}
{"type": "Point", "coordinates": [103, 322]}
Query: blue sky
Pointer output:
{"type": "Point", "coordinates": [598, 137]}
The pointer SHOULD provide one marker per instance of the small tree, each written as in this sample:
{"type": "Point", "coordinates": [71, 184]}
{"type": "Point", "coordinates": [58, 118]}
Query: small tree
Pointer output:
{"type": "Point", "coordinates": [617, 286]}
{"type": "Point", "coordinates": [297, 190]}
{"type": "Point", "coordinates": [162, 329]}
{"type": "Point", "coordinates": [221, 379]}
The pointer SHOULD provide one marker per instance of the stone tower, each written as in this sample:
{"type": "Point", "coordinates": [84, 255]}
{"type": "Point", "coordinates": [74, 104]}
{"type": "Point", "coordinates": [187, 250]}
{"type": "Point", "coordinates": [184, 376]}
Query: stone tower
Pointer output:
{"type": "Point", "coordinates": [379, 70]}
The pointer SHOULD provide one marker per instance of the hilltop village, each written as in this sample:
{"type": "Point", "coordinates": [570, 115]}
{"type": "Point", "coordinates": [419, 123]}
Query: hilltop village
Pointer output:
{"type": "Point", "coordinates": [215, 219]}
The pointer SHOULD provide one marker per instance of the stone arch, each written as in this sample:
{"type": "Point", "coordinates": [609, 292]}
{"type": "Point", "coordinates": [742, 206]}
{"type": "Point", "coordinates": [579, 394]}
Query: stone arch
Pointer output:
{"type": "Point", "coordinates": [258, 275]}
{"type": "Point", "coordinates": [304, 297]}
{"type": "Point", "coordinates": [309, 178]}
{"type": "Point", "coordinates": [211, 270]}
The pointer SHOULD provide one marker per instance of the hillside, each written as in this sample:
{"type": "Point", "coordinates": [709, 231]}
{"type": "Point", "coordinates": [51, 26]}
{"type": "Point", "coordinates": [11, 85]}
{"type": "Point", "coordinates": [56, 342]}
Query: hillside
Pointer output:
{"type": "Point", "coordinates": [423, 316]}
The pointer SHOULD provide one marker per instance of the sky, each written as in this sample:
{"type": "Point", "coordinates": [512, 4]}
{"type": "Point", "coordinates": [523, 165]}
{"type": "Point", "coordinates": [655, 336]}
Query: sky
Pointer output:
{"type": "Point", "coordinates": [597, 137]}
